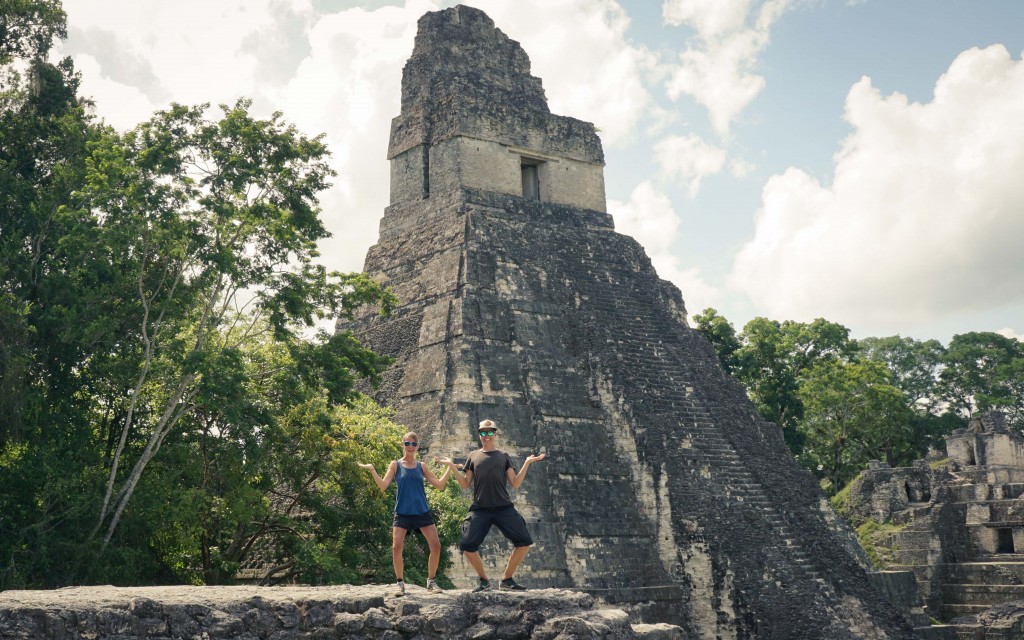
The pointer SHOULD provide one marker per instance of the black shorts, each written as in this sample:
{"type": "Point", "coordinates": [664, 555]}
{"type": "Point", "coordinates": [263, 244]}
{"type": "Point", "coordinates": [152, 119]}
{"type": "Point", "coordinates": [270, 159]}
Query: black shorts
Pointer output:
{"type": "Point", "coordinates": [507, 519]}
{"type": "Point", "coordinates": [413, 522]}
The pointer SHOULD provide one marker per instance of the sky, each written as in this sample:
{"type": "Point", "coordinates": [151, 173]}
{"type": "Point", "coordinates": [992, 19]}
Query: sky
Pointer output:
{"type": "Point", "coordinates": [856, 160]}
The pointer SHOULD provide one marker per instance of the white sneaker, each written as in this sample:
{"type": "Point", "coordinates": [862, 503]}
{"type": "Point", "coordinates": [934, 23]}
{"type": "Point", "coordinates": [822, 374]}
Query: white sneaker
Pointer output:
{"type": "Point", "coordinates": [432, 585]}
{"type": "Point", "coordinates": [400, 585]}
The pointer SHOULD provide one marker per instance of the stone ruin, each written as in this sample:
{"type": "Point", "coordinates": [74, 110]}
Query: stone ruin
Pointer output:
{"type": "Point", "coordinates": [958, 525]}
{"type": "Point", "coordinates": [313, 613]}
{"type": "Point", "coordinates": [664, 492]}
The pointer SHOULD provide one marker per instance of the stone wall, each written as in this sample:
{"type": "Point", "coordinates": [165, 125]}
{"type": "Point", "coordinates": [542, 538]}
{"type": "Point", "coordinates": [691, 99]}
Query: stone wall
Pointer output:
{"type": "Point", "coordinates": [469, 121]}
{"type": "Point", "coordinates": [312, 613]}
{"type": "Point", "coordinates": [987, 442]}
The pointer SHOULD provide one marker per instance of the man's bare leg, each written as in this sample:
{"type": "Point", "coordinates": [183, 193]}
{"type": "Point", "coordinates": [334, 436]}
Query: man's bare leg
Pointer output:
{"type": "Point", "coordinates": [478, 565]}
{"type": "Point", "coordinates": [513, 561]}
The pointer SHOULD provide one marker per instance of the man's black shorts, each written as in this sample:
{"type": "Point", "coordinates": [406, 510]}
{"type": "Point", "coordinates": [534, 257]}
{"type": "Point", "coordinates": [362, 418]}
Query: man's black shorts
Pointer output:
{"type": "Point", "coordinates": [507, 519]}
{"type": "Point", "coordinates": [412, 523]}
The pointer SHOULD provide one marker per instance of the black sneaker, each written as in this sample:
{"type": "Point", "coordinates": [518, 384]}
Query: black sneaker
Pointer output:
{"type": "Point", "coordinates": [509, 584]}
{"type": "Point", "coordinates": [485, 585]}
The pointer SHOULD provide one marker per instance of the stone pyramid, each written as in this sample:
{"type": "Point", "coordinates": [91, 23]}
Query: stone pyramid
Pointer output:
{"type": "Point", "coordinates": [664, 492]}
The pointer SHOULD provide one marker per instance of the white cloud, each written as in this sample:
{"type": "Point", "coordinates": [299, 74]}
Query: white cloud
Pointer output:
{"type": "Point", "coordinates": [1011, 333]}
{"type": "Point", "coordinates": [120, 105]}
{"type": "Point", "coordinates": [193, 47]}
{"type": "Point", "coordinates": [596, 74]}
{"type": "Point", "coordinates": [718, 69]}
{"type": "Point", "coordinates": [350, 87]}
{"type": "Point", "coordinates": [709, 18]}
{"type": "Point", "coordinates": [740, 168]}
{"type": "Point", "coordinates": [923, 217]}
{"type": "Point", "coordinates": [341, 74]}
{"type": "Point", "coordinates": [690, 159]}
{"type": "Point", "coordinates": [650, 219]}
{"type": "Point", "coordinates": [342, 77]}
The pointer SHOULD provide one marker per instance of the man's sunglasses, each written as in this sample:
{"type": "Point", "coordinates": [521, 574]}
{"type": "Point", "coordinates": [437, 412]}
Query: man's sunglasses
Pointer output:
{"type": "Point", "coordinates": [489, 432]}
{"type": "Point", "coordinates": [409, 443]}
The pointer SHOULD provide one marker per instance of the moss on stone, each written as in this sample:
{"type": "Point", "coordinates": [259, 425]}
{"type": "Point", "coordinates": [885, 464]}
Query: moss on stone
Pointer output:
{"type": "Point", "coordinates": [871, 534]}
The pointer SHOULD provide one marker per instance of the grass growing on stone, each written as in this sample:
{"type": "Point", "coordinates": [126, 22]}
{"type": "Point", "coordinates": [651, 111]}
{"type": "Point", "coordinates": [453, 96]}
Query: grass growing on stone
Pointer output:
{"type": "Point", "coordinates": [841, 502]}
{"type": "Point", "coordinates": [870, 534]}
{"type": "Point", "coordinates": [938, 464]}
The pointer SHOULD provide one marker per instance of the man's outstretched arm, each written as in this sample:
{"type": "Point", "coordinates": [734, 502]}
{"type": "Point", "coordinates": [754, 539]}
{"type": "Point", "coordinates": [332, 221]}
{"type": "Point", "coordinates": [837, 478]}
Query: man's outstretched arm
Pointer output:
{"type": "Point", "coordinates": [516, 479]}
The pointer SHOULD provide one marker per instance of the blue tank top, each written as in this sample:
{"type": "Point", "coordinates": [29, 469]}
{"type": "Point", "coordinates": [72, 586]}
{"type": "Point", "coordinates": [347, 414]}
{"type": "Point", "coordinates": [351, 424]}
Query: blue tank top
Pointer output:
{"type": "Point", "coordinates": [412, 498]}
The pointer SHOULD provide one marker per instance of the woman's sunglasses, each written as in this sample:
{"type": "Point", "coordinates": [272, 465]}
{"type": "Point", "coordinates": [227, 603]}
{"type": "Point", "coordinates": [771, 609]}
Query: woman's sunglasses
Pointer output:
{"type": "Point", "coordinates": [409, 443]}
{"type": "Point", "coordinates": [490, 432]}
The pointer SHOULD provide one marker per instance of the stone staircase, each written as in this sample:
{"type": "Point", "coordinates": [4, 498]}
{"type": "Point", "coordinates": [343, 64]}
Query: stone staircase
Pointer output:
{"type": "Point", "coordinates": [950, 544]}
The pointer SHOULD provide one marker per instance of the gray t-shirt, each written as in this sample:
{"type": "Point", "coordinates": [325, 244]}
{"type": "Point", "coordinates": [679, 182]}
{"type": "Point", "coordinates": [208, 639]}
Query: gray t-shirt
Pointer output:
{"type": "Point", "coordinates": [489, 478]}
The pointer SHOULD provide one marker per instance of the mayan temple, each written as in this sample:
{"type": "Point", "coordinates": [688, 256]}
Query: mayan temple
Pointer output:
{"type": "Point", "coordinates": [664, 491]}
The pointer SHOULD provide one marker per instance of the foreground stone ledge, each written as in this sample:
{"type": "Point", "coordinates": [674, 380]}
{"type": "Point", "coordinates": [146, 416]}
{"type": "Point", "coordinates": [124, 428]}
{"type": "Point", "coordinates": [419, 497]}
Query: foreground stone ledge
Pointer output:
{"type": "Point", "coordinates": [371, 612]}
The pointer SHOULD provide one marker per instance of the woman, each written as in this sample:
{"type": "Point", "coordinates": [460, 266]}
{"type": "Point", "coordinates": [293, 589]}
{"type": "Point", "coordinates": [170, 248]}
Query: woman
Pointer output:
{"type": "Point", "coordinates": [411, 510]}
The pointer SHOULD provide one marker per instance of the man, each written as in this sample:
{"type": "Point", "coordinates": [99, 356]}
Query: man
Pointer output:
{"type": "Point", "coordinates": [490, 471]}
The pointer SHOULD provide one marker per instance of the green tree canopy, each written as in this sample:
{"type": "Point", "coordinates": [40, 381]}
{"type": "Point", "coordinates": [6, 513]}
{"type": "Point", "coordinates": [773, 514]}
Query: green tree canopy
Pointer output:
{"type": "Point", "coordinates": [29, 27]}
{"type": "Point", "coordinates": [722, 336]}
{"type": "Point", "coordinates": [983, 371]}
{"type": "Point", "coordinates": [775, 356]}
{"type": "Point", "coordinates": [853, 413]}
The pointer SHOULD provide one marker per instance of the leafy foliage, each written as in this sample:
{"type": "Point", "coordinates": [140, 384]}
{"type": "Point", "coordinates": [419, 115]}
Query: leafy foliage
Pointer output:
{"type": "Point", "coordinates": [288, 502]}
{"type": "Point", "coordinates": [853, 414]}
{"type": "Point", "coordinates": [722, 336]}
{"type": "Point", "coordinates": [164, 412]}
{"type": "Point", "coordinates": [773, 360]}
{"type": "Point", "coordinates": [29, 27]}
{"type": "Point", "coordinates": [984, 371]}
{"type": "Point", "coordinates": [842, 402]}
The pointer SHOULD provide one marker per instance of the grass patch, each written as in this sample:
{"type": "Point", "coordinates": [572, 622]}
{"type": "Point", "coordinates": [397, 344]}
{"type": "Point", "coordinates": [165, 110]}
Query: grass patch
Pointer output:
{"type": "Point", "coordinates": [841, 502]}
{"type": "Point", "coordinates": [936, 464]}
{"type": "Point", "coordinates": [871, 534]}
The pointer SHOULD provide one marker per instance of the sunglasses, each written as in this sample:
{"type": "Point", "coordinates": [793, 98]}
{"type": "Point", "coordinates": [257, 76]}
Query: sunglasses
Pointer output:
{"type": "Point", "coordinates": [409, 443]}
{"type": "Point", "coordinates": [489, 432]}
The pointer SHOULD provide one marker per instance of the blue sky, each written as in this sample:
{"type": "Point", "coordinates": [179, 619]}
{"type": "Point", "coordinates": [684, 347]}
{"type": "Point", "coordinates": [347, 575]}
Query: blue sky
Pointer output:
{"type": "Point", "coordinates": [858, 161]}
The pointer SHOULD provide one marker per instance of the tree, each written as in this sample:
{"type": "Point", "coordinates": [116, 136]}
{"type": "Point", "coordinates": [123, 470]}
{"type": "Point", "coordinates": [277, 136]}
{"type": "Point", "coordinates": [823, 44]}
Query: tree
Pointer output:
{"type": "Point", "coordinates": [202, 218]}
{"type": "Point", "coordinates": [915, 366]}
{"type": "Point", "coordinates": [147, 281]}
{"type": "Point", "coordinates": [982, 372]}
{"type": "Point", "coordinates": [722, 336]}
{"type": "Point", "coordinates": [28, 28]}
{"type": "Point", "coordinates": [853, 413]}
{"type": "Point", "coordinates": [264, 477]}
{"type": "Point", "coordinates": [775, 356]}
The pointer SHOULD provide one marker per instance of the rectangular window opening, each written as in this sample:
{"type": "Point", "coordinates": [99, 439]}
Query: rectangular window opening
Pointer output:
{"type": "Point", "coordinates": [531, 179]}
{"type": "Point", "coordinates": [1004, 543]}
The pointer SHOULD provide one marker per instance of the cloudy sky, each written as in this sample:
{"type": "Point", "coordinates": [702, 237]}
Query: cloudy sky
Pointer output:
{"type": "Point", "coordinates": [861, 161]}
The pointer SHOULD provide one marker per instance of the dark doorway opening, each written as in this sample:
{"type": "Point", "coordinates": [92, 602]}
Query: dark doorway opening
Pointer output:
{"type": "Point", "coordinates": [1004, 542]}
{"type": "Point", "coordinates": [531, 180]}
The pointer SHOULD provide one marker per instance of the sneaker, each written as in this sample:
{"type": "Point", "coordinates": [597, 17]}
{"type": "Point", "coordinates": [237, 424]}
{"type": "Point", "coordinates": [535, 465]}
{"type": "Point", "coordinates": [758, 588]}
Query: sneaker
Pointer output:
{"type": "Point", "coordinates": [485, 585]}
{"type": "Point", "coordinates": [432, 585]}
{"type": "Point", "coordinates": [509, 584]}
{"type": "Point", "coordinates": [400, 588]}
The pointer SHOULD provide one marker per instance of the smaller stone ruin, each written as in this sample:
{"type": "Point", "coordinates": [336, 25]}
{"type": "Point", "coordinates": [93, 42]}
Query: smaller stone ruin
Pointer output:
{"type": "Point", "coordinates": [958, 524]}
